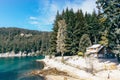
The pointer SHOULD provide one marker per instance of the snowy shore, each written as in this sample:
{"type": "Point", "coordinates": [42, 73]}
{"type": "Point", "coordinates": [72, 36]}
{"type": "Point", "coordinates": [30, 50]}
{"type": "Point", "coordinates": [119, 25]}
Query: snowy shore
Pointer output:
{"type": "Point", "coordinates": [83, 69]}
{"type": "Point", "coordinates": [12, 54]}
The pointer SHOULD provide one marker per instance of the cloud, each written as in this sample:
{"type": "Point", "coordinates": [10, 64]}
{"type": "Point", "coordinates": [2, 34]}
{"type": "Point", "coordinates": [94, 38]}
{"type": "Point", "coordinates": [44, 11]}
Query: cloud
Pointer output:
{"type": "Point", "coordinates": [48, 9]}
{"type": "Point", "coordinates": [34, 22]}
{"type": "Point", "coordinates": [32, 18]}
{"type": "Point", "coordinates": [85, 5]}
{"type": "Point", "coordinates": [89, 6]}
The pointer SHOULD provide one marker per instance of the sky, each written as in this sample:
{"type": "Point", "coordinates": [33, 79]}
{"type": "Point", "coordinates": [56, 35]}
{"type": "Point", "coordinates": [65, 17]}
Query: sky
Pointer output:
{"type": "Point", "coordinates": [38, 14]}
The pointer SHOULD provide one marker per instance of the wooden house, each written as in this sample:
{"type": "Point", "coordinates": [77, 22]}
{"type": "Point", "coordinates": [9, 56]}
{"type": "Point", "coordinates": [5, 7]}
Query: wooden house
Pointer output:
{"type": "Point", "coordinates": [95, 50]}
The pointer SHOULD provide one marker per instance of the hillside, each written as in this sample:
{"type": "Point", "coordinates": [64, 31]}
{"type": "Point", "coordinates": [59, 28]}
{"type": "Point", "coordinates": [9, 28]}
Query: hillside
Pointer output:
{"type": "Point", "coordinates": [17, 39]}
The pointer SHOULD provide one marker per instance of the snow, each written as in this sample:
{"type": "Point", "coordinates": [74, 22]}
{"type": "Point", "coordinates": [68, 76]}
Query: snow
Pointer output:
{"type": "Point", "coordinates": [76, 66]}
{"type": "Point", "coordinates": [95, 46]}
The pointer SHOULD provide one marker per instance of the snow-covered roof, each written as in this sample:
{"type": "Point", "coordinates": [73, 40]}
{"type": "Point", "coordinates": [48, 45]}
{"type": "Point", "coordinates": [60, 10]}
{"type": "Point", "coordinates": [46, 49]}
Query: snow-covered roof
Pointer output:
{"type": "Point", "coordinates": [95, 46]}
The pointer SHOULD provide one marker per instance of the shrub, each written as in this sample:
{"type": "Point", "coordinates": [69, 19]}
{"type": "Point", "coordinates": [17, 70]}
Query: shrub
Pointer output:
{"type": "Point", "coordinates": [80, 53]}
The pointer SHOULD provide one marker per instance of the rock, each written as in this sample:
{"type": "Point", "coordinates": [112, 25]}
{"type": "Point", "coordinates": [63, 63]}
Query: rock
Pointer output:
{"type": "Point", "coordinates": [50, 71]}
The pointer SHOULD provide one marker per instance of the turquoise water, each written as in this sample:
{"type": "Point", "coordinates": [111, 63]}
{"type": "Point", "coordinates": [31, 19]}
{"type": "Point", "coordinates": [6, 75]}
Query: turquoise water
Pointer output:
{"type": "Point", "coordinates": [17, 68]}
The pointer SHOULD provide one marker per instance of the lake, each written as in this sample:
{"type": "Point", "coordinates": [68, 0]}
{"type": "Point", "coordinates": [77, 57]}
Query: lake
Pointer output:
{"type": "Point", "coordinates": [16, 68]}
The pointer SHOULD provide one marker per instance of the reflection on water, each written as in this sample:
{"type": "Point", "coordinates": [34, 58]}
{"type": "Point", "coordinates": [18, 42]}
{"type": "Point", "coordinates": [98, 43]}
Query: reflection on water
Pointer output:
{"type": "Point", "coordinates": [32, 78]}
{"type": "Point", "coordinates": [17, 68]}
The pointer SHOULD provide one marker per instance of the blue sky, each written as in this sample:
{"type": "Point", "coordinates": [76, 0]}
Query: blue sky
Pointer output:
{"type": "Point", "coordinates": [37, 14]}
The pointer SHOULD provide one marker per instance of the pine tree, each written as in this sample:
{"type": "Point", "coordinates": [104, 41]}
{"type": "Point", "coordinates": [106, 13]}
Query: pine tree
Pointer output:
{"type": "Point", "coordinates": [80, 28]}
{"type": "Point", "coordinates": [53, 36]}
{"type": "Point", "coordinates": [70, 43]}
{"type": "Point", "coordinates": [111, 12]}
{"type": "Point", "coordinates": [93, 26]}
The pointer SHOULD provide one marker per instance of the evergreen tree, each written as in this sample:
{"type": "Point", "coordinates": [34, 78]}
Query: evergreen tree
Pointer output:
{"type": "Point", "coordinates": [93, 26]}
{"type": "Point", "coordinates": [53, 37]}
{"type": "Point", "coordinates": [111, 14]}
{"type": "Point", "coordinates": [70, 43]}
{"type": "Point", "coordinates": [84, 43]}
{"type": "Point", "coordinates": [80, 28]}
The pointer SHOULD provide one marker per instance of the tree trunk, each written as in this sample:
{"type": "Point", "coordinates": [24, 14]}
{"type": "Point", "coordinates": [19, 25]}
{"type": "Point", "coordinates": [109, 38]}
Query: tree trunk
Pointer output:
{"type": "Point", "coordinates": [105, 51]}
{"type": "Point", "coordinates": [95, 40]}
{"type": "Point", "coordinates": [62, 54]}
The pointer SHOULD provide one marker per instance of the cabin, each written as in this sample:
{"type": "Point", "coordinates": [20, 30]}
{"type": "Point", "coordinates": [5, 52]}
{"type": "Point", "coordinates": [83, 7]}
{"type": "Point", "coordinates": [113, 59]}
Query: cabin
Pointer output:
{"type": "Point", "coordinates": [95, 50]}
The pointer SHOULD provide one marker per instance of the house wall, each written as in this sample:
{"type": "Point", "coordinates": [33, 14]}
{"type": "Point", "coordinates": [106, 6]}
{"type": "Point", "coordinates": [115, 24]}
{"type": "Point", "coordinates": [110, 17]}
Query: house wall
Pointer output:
{"type": "Point", "coordinates": [101, 53]}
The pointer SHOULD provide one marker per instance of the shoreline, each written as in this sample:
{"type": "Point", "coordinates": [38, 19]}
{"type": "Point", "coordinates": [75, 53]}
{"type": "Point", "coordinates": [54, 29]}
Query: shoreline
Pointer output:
{"type": "Point", "coordinates": [77, 69]}
{"type": "Point", "coordinates": [57, 64]}
{"type": "Point", "coordinates": [12, 54]}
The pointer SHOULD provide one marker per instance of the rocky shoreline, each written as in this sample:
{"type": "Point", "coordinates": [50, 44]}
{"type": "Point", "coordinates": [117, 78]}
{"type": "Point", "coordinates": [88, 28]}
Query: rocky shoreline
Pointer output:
{"type": "Point", "coordinates": [53, 74]}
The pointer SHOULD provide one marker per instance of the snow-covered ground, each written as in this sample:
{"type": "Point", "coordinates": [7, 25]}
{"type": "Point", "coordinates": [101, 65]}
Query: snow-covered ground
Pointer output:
{"type": "Point", "coordinates": [86, 68]}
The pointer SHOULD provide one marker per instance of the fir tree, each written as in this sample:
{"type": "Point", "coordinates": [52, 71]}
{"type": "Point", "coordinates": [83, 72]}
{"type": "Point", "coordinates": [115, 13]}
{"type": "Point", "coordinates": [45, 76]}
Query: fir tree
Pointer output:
{"type": "Point", "coordinates": [80, 28]}
{"type": "Point", "coordinates": [53, 37]}
{"type": "Point", "coordinates": [111, 14]}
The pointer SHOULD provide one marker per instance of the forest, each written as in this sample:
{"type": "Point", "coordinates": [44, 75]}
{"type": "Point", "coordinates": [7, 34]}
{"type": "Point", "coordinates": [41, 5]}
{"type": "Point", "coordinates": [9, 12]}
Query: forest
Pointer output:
{"type": "Point", "coordinates": [74, 31]}
{"type": "Point", "coordinates": [81, 30]}
{"type": "Point", "coordinates": [17, 39]}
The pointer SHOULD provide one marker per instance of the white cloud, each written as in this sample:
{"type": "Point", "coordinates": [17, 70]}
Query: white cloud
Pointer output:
{"type": "Point", "coordinates": [49, 9]}
{"type": "Point", "coordinates": [89, 6]}
{"type": "Point", "coordinates": [34, 22]}
{"type": "Point", "coordinates": [32, 18]}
